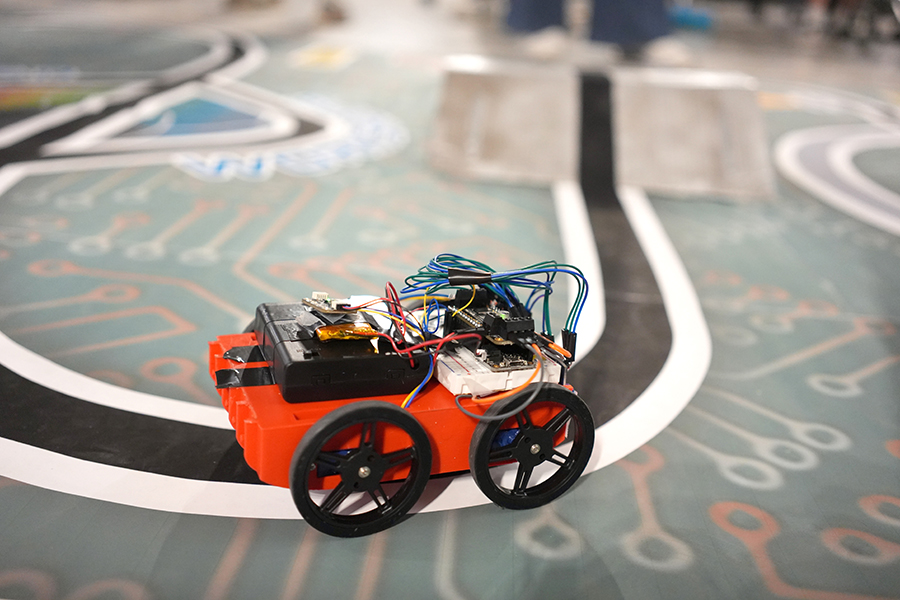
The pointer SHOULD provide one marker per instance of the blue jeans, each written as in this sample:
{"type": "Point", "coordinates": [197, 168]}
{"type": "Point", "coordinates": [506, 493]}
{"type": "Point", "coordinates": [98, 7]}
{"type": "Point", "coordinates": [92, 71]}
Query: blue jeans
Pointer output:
{"type": "Point", "coordinates": [623, 22]}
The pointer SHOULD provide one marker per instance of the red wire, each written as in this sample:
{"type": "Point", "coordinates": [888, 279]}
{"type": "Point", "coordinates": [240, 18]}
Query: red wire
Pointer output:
{"type": "Point", "coordinates": [439, 342]}
{"type": "Point", "coordinates": [369, 303]}
{"type": "Point", "coordinates": [394, 307]}
{"type": "Point", "coordinates": [392, 301]}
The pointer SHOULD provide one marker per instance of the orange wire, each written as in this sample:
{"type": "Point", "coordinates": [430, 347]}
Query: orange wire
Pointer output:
{"type": "Point", "coordinates": [556, 347]}
{"type": "Point", "coordinates": [560, 349]}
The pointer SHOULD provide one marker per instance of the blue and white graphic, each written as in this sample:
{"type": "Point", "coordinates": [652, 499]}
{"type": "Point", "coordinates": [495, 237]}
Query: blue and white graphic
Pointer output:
{"type": "Point", "coordinates": [355, 135]}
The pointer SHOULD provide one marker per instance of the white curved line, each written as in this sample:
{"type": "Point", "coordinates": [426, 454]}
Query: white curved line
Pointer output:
{"type": "Point", "coordinates": [580, 250]}
{"type": "Point", "coordinates": [45, 372]}
{"type": "Point", "coordinates": [100, 137]}
{"type": "Point", "coordinates": [51, 375]}
{"type": "Point", "coordinates": [219, 51]}
{"type": "Point", "coordinates": [786, 155]}
{"type": "Point", "coordinates": [95, 103]}
{"type": "Point", "coordinates": [255, 54]}
{"type": "Point", "coordinates": [840, 159]}
{"type": "Point", "coordinates": [688, 362]}
{"type": "Point", "coordinates": [61, 473]}
{"type": "Point", "coordinates": [333, 128]}
{"type": "Point", "coordinates": [822, 99]}
{"type": "Point", "coordinates": [89, 105]}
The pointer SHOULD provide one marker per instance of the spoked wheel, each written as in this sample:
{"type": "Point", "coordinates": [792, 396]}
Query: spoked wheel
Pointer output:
{"type": "Point", "coordinates": [533, 457]}
{"type": "Point", "coordinates": [377, 458]}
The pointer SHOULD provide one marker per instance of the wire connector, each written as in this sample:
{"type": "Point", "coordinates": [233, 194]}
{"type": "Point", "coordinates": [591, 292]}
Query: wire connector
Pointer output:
{"type": "Point", "coordinates": [456, 276]}
{"type": "Point", "coordinates": [568, 342]}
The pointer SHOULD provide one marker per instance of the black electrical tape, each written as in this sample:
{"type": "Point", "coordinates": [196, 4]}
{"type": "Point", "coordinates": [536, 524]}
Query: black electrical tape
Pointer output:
{"type": "Point", "coordinates": [249, 377]}
{"type": "Point", "coordinates": [466, 277]}
{"type": "Point", "coordinates": [244, 354]}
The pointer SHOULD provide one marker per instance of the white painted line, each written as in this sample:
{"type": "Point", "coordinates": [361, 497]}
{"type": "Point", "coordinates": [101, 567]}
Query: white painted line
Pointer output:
{"type": "Point", "coordinates": [688, 78]}
{"type": "Point", "coordinates": [580, 249]}
{"type": "Point", "coordinates": [787, 160]}
{"type": "Point", "coordinates": [688, 360]}
{"type": "Point", "coordinates": [333, 126]}
{"type": "Point", "coordinates": [840, 159]}
{"type": "Point", "coordinates": [100, 137]}
{"type": "Point", "coordinates": [219, 51]}
{"type": "Point", "coordinates": [45, 372]}
{"type": "Point", "coordinates": [255, 55]}
{"type": "Point", "coordinates": [93, 104]}
{"type": "Point", "coordinates": [10, 175]}
{"type": "Point", "coordinates": [334, 129]}
{"type": "Point", "coordinates": [477, 64]}
{"type": "Point", "coordinates": [823, 99]}
{"type": "Point", "coordinates": [30, 126]}
{"type": "Point", "coordinates": [60, 473]}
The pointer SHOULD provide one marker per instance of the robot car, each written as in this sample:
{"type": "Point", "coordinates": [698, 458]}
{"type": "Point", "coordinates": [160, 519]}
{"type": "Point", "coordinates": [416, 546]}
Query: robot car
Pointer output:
{"type": "Point", "coordinates": [354, 404]}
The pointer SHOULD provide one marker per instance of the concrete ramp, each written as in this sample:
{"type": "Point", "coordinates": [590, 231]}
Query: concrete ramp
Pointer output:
{"type": "Point", "coordinates": [675, 131]}
{"type": "Point", "coordinates": [508, 121]}
{"type": "Point", "coordinates": [690, 132]}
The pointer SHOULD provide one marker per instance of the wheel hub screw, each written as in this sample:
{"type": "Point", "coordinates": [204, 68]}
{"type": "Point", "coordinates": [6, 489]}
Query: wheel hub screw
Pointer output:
{"type": "Point", "coordinates": [535, 448]}
{"type": "Point", "coordinates": [364, 472]}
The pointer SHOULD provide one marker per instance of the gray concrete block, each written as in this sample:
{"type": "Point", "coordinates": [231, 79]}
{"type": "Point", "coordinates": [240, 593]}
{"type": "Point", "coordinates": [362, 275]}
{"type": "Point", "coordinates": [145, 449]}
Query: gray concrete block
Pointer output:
{"type": "Point", "coordinates": [690, 132]}
{"type": "Point", "coordinates": [508, 121]}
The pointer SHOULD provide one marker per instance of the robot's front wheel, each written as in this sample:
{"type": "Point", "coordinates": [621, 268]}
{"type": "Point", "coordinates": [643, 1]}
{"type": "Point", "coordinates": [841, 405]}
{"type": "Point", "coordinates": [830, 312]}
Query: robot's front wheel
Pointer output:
{"type": "Point", "coordinates": [536, 455]}
{"type": "Point", "coordinates": [380, 459]}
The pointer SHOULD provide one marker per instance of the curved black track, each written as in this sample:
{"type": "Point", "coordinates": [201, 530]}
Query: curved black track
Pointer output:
{"type": "Point", "coordinates": [638, 337]}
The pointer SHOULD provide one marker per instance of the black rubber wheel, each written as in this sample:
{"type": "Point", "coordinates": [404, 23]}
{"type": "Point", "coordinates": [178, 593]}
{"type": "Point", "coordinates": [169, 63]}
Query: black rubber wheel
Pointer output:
{"type": "Point", "coordinates": [549, 444]}
{"type": "Point", "coordinates": [364, 470]}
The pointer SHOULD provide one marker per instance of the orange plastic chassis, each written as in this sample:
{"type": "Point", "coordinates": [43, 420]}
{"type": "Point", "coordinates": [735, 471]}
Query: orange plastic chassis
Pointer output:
{"type": "Point", "coordinates": [269, 429]}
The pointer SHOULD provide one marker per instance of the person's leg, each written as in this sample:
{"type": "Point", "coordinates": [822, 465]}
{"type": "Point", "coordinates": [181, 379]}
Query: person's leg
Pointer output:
{"type": "Point", "coordinates": [629, 23]}
{"type": "Point", "coordinates": [534, 15]}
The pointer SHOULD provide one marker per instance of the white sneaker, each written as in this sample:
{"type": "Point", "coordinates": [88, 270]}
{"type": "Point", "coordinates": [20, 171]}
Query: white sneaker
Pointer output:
{"type": "Point", "coordinates": [464, 8]}
{"type": "Point", "coordinates": [547, 44]}
{"type": "Point", "coordinates": [667, 52]}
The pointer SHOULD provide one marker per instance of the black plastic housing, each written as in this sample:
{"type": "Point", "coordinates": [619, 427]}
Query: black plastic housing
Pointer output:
{"type": "Point", "coordinates": [309, 370]}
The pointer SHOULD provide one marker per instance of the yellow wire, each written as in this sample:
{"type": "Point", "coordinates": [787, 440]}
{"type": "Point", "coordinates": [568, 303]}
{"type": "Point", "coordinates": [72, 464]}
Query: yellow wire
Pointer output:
{"type": "Point", "coordinates": [405, 403]}
{"type": "Point", "coordinates": [395, 318]}
{"type": "Point", "coordinates": [427, 298]}
{"type": "Point", "coordinates": [464, 307]}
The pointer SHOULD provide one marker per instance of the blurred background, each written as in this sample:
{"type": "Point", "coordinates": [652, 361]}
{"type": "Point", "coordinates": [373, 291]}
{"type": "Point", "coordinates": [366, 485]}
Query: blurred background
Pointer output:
{"type": "Point", "coordinates": [727, 173]}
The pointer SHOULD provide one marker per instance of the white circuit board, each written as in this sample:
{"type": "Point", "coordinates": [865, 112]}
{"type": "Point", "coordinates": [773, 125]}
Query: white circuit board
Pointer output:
{"type": "Point", "coordinates": [462, 372]}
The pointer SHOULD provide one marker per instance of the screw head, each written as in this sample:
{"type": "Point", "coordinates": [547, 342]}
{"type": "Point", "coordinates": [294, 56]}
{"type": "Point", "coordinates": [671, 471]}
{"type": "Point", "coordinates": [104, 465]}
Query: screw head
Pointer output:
{"type": "Point", "coordinates": [535, 448]}
{"type": "Point", "coordinates": [364, 472]}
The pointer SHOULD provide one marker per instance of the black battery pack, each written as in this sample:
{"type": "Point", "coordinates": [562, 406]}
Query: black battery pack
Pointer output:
{"type": "Point", "coordinates": [308, 369]}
